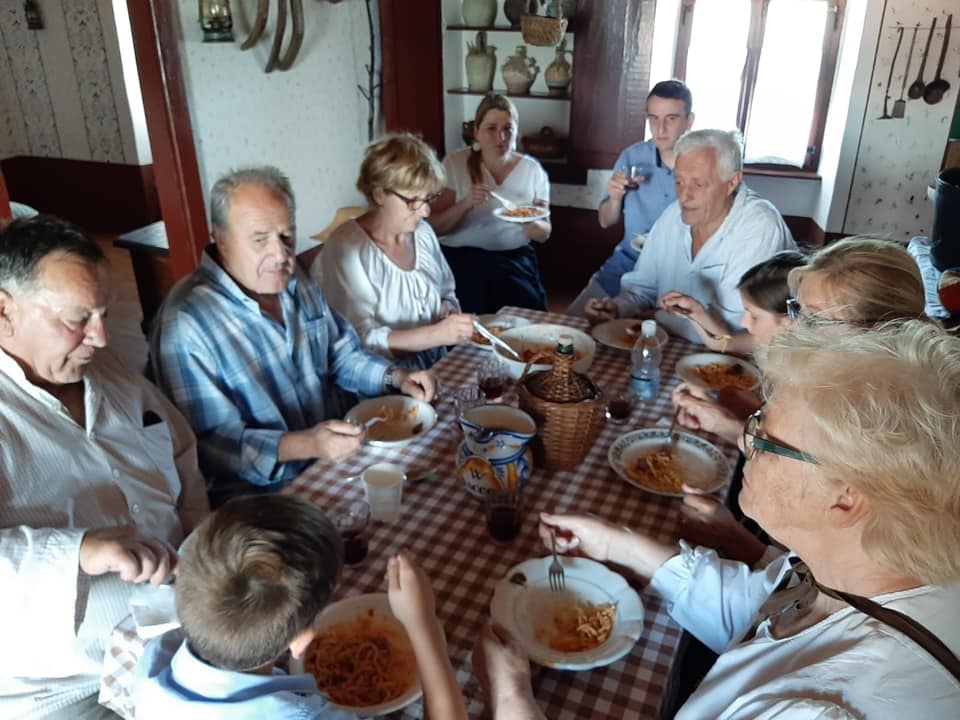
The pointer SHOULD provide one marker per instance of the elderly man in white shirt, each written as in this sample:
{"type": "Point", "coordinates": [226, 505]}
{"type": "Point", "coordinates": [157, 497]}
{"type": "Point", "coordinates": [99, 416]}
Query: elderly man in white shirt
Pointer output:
{"type": "Point", "coordinates": [703, 243]}
{"type": "Point", "coordinates": [98, 474]}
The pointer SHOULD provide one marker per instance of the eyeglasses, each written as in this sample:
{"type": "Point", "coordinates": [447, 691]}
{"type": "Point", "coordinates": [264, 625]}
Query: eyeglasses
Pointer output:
{"type": "Point", "coordinates": [415, 203]}
{"type": "Point", "coordinates": [794, 313]}
{"type": "Point", "coordinates": [753, 443]}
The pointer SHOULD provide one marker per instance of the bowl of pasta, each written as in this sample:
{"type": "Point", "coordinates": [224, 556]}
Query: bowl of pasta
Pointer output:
{"type": "Point", "coordinates": [641, 458]}
{"type": "Point", "coordinates": [541, 338]}
{"type": "Point", "coordinates": [402, 419]}
{"type": "Point", "coordinates": [361, 657]}
{"type": "Point", "coordinates": [716, 371]}
{"type": "Point", "coordinates": [593, 622]}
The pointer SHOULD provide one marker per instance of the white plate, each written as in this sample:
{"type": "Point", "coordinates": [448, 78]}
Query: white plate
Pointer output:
{"type": "Point", "coordinates": [505, 322]}
{"type": "Point", "coordinates": [704, 466]}
{"type": "Point", "coordinates": [348, 610]}
{"type": "Point", "coordinates": [687, 368]}
{"type": "Point", "coordinates": [613, 333]}
{"type": "Point", "coordinates": [545, 335]}
{"type": "Point", "coordinates": [425, 416]}
{"type": "Point", "coordinates": [526, 608]}
{"type": "Point", "coordinates": [541, 214]}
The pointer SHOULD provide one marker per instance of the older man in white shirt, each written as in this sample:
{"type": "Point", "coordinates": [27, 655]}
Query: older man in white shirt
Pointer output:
{"type": "Point", "coordinates": [98, 474]}
{"type": "Point", "coordinates": [703, 243]}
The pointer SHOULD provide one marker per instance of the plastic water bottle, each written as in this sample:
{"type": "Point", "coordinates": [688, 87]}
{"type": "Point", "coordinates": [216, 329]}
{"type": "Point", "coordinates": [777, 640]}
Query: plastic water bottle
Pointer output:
{"type": "Point", "coordinates": [646, 356]}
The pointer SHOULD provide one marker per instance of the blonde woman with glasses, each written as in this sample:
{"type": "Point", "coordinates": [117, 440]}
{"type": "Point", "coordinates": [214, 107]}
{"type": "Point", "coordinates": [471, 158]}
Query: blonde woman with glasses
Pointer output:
{"type": "Point", "coordinates": [384, 271]}
{"type": "Point", "coordinates": [852, 465]}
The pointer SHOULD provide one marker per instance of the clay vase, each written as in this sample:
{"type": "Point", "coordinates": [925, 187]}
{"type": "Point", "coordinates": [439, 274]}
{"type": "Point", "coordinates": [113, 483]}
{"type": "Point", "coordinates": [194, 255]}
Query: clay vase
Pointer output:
{"type": "Point", "coordinates": [494, 456]}
{"type": "Point", "coordinates": [519, 72]}
{"type": "Point", "coordinates": [558, 73]}
{"type": "Point", "coordinates": [480, 13]}
{"type": "Point", "coordinates": [481, 63]}
{"type": "Point", "coordinates": [514, 10]}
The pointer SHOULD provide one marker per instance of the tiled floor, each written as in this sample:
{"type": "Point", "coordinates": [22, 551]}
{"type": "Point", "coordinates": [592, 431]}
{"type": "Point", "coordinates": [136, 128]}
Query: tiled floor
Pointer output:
{"type": "Point", "coordinates": [123, 321]}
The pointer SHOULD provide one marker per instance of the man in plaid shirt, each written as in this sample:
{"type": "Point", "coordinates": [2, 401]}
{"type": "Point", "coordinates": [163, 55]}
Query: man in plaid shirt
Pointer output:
{"type": "Point", "coordinates": [250, 352]}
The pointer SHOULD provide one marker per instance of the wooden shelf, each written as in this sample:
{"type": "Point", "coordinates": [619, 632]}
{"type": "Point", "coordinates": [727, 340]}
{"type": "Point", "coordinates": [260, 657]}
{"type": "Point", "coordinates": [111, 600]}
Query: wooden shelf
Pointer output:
{"type": "Point", "coordinates": [533, 95]}
{"type": "Point", "coordinates": [571, 28]}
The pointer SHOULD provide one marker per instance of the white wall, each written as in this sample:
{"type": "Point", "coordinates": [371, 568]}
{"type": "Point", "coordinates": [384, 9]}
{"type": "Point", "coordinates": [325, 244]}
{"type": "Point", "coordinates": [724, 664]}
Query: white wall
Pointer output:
{"type": "Point", "coordinates": [62, 92]}
{"type": "Point", "coordinates": [309, 121]}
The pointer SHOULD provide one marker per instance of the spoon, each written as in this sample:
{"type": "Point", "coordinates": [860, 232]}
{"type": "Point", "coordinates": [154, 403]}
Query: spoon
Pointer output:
{"type": "Point", "coordinates": [936, 90]}
{"type": "Point", "coordinates": [916, 90]}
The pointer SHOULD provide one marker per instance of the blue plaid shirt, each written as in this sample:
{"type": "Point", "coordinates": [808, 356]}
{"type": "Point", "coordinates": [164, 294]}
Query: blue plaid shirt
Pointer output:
{"type": "Point", "coordinates": [243, 380]}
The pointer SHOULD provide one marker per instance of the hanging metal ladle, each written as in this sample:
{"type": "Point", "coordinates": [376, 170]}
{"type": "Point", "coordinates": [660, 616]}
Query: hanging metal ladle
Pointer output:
{"type": "Point", "coordinates": [938, 88]}
{"type": "Point", "coordinates": [916, 90]}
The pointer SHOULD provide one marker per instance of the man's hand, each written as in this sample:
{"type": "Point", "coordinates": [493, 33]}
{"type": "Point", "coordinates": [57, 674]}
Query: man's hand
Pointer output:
{"type": "Point", "coordinates": [503, 669]}
{"type": "Point", "coordinates": [704, 520]}
{"type": "Point", "coordinates": [411, 597]}
{"type": "Point", "coordinates": [600, 310]}
{"type": "Point", "coordinates": [336, 440]}
{"type": "Point", "coordinates": [617, 185]}
{"type": "Point", "coordinates": [421, 384]}
{"type": "Point", "coordinates": [123, 550]}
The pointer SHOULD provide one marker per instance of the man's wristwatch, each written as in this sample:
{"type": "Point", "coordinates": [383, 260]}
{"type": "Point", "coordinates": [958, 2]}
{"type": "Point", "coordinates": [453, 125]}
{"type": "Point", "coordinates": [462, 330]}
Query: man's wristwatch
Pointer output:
{"type": "Point", "coordinates": [392, 380]}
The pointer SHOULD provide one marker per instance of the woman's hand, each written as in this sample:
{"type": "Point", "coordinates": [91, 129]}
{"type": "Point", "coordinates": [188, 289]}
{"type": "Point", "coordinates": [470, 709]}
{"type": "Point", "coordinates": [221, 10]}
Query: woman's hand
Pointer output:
{"type": "Point", "coordinates": [704, 520]}
{"type": "Point", "coordinates": [538, 230]}
{"type": "Point", "coordinates": [592, 536]}
{"type": "Point", "coordinates": [677, 302]}
{"type": "Point", "coordinates": [698, 411]}
{"type": "Point", "coordinates": [479, 194]}
{"type": "Point", "coordinates": [455, 328]}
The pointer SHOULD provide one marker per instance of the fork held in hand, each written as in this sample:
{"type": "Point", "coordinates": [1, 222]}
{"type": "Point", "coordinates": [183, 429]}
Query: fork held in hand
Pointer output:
{"type": "Point", "coordinates": [555, 571]}
{"type": "Point", "coordinates": [677, 310]}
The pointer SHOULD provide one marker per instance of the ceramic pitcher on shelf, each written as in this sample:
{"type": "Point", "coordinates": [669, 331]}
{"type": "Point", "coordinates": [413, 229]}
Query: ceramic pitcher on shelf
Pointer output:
{"type": "Point", "coordinates": [479, 13]}
{"type": "Point", "coordinates": [519, 72]}
{"type": "Point", "coordinates": [558, 73]}
{"type": "Point", "coordinates": [481, 62]}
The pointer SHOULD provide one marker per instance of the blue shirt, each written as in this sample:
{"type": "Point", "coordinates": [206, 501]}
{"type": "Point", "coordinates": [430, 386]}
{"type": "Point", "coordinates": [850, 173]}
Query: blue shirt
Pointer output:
{"type": "Point", "coordinates": [243, 380]}
{"type": "Point", "coordinates": [172, 682]}
{"type": "Point", "coordinates": [641, 208]}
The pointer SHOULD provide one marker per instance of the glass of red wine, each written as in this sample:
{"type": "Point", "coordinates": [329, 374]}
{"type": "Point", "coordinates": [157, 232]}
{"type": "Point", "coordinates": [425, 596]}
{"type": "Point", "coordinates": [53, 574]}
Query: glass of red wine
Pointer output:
{"type": "Point", "coordinates": [353, 521]}
{"type": "Point", "coordinates": [637, 174]}
{"type": "Point", "coordinates": [492, 378]}
{"type": "Point", "coordinates": [504, 513]}
{"type": "Point", "coordinates": [620, 404]}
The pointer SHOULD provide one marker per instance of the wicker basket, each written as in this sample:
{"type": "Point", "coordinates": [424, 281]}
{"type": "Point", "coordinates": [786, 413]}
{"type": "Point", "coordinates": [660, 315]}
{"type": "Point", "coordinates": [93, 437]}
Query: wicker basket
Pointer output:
{"type": "Point", "coordinates": [568, 409]}
{"type": "Point", "coordinates": [541, 29]}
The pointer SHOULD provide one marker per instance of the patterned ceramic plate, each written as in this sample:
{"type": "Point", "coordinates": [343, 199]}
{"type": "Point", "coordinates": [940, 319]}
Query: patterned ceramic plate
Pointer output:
{"type": "Point", "coordinates": [406, 419]}
{"type": "Point", "coordinates": [701, 464]}
{"type": "Point", "coordinates": [729, 371]}
{"type": "Point", "coordinates": [525, 605]}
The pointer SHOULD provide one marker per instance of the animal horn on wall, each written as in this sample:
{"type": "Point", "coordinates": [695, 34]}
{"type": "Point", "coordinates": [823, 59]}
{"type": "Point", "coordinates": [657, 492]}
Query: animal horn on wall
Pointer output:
{"type": "Point", "coordinates": [274, 60]}
{"type": "Point", "coordinates": [296, 40]}
{"type": "Point", "coordinates": [259, 25]}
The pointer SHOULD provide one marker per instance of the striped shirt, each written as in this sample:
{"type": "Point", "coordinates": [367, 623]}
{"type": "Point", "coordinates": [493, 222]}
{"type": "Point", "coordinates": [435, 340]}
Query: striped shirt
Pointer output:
{"type": "Point", "coordinates": [243, 379]}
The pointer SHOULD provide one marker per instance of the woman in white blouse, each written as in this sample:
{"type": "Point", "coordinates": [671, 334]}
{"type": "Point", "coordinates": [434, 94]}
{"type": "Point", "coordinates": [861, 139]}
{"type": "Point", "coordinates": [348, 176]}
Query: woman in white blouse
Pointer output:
{"type": "Point", "coordinates": [384, 270]}
{"type": "Point", "coordinates": [493, 261]}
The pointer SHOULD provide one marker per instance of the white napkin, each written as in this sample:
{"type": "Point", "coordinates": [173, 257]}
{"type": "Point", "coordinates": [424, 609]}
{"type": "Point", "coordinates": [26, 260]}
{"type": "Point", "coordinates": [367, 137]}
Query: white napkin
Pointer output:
{"type": "Point", "coordinates": [154, 609]}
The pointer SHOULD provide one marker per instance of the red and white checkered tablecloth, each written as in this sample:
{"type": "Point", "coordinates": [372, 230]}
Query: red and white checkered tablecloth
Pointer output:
{"type": "Point", "coordinates": [443, 528]}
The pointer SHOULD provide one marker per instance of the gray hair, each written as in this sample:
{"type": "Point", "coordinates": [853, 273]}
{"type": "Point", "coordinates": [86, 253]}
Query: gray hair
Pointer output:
{"type": "Point", "coordinates": [727, 144]}
{"type": "Point", "coordinates": [266, 176]}
{"type": "Point", "coordinates": [25, 242]}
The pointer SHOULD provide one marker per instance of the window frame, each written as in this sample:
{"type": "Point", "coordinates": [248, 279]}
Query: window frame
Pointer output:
{"type": "Point", "coordinates": [830, 49]}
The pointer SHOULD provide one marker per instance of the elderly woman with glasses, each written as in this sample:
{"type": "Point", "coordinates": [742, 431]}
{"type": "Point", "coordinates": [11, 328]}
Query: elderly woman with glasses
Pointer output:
{"type": "Point", "coordinates": [493, 261]}
{"type": "Point", "coordinates": [852, 465]}
{"type": "Point", "coordinates": [384, 271]}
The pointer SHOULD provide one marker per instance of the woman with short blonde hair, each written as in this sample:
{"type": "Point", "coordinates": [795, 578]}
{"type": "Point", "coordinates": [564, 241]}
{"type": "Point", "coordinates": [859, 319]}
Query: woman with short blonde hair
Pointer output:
{"type": "Point", "coordinates": [384, 271]}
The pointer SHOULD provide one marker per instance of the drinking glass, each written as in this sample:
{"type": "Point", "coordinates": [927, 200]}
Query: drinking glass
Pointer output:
{"type": "Point", "coordinates": [637, 173]}
{"type": "Point", "coordinates": [383, 485]}
{"type": "Point", "coordinates": [504, 514]}
{"type": "Point", "coordinates": [353, 520]}
{"type": "Point", "coordinates": [491, 378]}
{"type": "Point", "coordinates": [620, 404]}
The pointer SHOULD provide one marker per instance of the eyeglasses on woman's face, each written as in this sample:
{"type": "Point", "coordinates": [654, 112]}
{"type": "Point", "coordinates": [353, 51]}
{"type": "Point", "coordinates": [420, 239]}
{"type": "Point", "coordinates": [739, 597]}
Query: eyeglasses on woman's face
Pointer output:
{"type": "Point", "coordinates": [415, 203]}
{"type": "Point", "coordinates": [753, 443]}
{"type": "Point", "coordinates": [795, 313]}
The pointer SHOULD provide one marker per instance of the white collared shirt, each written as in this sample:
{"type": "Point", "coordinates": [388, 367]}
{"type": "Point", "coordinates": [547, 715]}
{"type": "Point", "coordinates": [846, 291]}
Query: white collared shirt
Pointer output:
{"type": "Point", "coordinates": [134, 463]}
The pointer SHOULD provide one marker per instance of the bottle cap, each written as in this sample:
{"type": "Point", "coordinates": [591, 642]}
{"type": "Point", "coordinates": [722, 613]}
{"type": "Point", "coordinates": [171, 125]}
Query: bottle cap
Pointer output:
{"type": "Point", "coordinates": [649, 328]}
{"type": "Point", "coordinates": [565, 344]}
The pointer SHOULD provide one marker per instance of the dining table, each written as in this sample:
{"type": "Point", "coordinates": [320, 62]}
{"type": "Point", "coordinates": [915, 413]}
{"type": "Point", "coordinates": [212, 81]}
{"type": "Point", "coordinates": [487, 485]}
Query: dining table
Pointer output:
{"type": "Point", "coordinates": [442, 527]}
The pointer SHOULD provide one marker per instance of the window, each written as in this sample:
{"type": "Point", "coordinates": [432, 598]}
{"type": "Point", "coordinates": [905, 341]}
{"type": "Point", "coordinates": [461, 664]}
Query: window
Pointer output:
{"type": "Point", "coordinates": [765, 67]}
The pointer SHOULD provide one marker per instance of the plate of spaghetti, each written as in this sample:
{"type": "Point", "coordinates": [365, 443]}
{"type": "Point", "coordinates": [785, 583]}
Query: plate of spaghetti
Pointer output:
{"type": "Point", "coordinates": [718, 372]}
{"type": "Point", "coordinates": [522, 213]}
{"type": "Point", "coordinates": [361, 657]}
{"type": "Point", "coordinates": [594, 621]}
{"type": "Point", "coordinates": [639, 458]}
{"type": "Point", "coordinates": [404, 419]}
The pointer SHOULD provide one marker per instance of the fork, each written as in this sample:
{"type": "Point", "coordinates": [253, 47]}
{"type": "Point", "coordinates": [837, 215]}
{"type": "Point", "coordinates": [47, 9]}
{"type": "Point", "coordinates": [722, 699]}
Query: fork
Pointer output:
{"type": "Point", "coordinates": [507, 204]}
{"type": "Point", "coordinates": [671, 435]}
{"type": "Point", "coordinates": [677, 310]}
{"type": "Point", "coordinates": [555, 571]}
